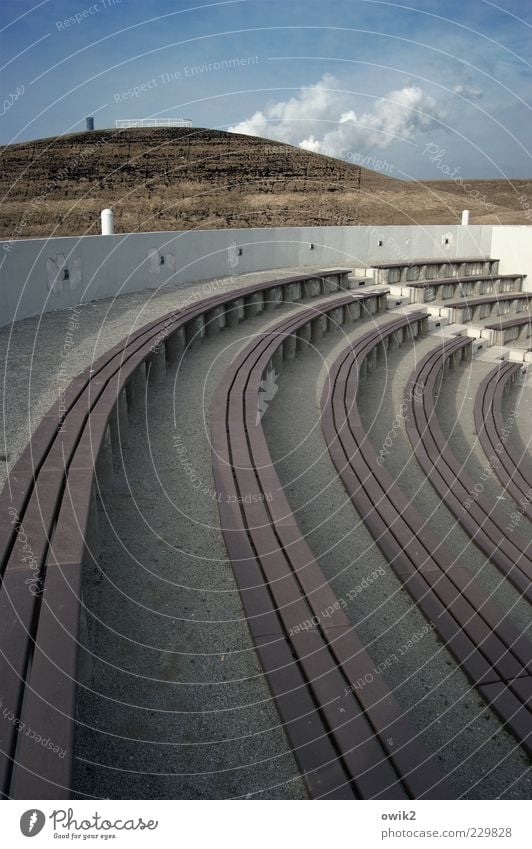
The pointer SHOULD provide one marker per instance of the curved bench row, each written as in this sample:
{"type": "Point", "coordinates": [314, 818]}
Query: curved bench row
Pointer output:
{"type": "Point", "coordinates": [349, 743]}
{"type": "Point", "coordinates": [427, 269]}
{"type": "Point", "coordinates": [447, 288]}
{"type": "Point", "coordinates": [510, 465]}
{"type": "Point", "coordinates": [48, 526]}
{"type": "Point", "coordinates": [488, 647]}
{"type": "Point", "coordinates": [476, 309]}
{"type": "Point", "coordinates": [512, 329]}
{"type": "Point", "coordinates": [463, 496]}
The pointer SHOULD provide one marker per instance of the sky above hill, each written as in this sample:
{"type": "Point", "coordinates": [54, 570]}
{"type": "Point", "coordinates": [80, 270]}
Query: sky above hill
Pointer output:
{"type": "Point", "coordinates": [420, 89]}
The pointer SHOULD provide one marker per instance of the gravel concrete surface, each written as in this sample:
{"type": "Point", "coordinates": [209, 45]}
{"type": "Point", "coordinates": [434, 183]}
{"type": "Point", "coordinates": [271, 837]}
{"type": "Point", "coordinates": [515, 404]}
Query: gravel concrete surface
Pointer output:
{"type": "Point", "coordinates": [480, 758]}
{"type": "Point", "coordinates": [41, 355]}
{"type": "Point", "coordinates": [383, 398]}
{"type": "Point", "coordinates": [519, 399]}
{"type": "Point", "coordinates": [455, 409]}
{"type": "Point", "coordinates": [174, 702]}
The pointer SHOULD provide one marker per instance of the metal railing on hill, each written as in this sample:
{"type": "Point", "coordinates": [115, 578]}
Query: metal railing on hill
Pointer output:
{"type": "Point", "coordinates": [129, 123]}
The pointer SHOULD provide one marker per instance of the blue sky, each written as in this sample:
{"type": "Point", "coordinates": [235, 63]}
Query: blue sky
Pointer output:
{"type": "Point", "coordinates": [427, 89]}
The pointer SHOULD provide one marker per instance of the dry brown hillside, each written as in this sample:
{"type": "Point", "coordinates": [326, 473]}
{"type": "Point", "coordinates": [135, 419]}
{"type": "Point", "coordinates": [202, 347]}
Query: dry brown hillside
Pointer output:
{"type": "Point", "coordinates": [166, 179]}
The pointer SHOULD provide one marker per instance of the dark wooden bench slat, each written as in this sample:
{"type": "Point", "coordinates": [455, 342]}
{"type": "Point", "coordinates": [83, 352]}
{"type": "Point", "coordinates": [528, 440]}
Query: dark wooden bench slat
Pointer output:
{"type": "Point", "coordinates": [517, 321]}
{"type": "Point", "coordinates": [356, 462]}
{"type": "Point", "coordinates": [257, 516]}
{"type": "Point", "coordinates": [511, 469]}
{"type": "Point", "coordinates": [322, 769]}
{"type": "Point", "coordinates": [511, 711]}
{"type": "Point", "coordinates": [455, 486]}
{"type": "Point", "coordinates": [386, 520]}
{"type": "Point", "coordinates": [49, 452]}
{"type": "Point", "coordinates": [521, 460]}
{"type": "Point", "coordinates": [459, 279]}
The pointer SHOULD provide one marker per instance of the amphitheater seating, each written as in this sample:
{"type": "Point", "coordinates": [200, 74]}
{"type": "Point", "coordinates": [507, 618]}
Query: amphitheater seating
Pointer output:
{"type": "Point", "coordinates": [488, 647]}
{"type": "Point", "coordinates": [447, 288]}
{"type": "Point", "coordinates": [494, 431]}
{"type": "Point", "coordinates": [477, 515]}
{"type": "Point", "coordinates": [49, 528]}
{"type": "Point", "coordinates": [293, 613]}
{"type": "Point", "coordinates": [514, 329]}
{"type": "Point", "coordinates": [409, 271]}
{"type": "Point", "coordinates": [340, 735]}
{"type": "Point", "coordinates": [477, 309]}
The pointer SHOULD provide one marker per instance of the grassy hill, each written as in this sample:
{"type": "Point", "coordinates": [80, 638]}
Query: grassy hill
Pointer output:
{"type": "Point", "coordinates": [168, 179]}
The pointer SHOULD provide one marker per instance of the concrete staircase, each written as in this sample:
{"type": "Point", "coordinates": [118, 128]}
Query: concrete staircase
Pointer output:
{"type": "Point", "coordinates": [463, 297]}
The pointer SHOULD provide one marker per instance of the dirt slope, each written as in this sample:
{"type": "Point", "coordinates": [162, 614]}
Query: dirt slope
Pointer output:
{"type": "Point", "coordinates": [165, 179]}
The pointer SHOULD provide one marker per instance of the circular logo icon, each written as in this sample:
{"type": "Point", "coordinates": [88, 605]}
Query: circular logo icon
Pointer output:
{"type": "Point", "coordinates": [32, 822]}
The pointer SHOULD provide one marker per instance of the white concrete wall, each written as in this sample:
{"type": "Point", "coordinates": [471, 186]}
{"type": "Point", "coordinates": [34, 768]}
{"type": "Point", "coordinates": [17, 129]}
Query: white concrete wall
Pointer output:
{"type": "Point", "coordinates": [513, 244]}
{"type": "Point", "coordinates": [32, 271]}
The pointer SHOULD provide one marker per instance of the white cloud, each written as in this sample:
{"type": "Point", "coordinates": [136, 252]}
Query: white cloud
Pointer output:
{"type": "Point", "coordinates": [305, 119]}
{"type": "Point", "coordinates": [468, 91]}
{"type": "Point", "coordinates": [289, 120]}
{"type": "Point", "coordinates": [311, 144]}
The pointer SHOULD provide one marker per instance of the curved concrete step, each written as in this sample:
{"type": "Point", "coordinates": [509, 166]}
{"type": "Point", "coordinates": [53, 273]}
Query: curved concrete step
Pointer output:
{"type": "Point", "coordinates": [174, 702]}
{"type": "Point", "coordinates": [425, 679]}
